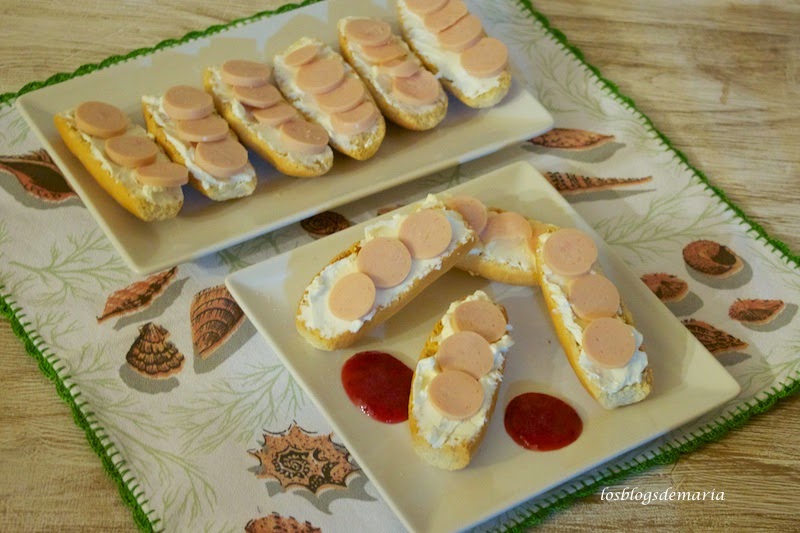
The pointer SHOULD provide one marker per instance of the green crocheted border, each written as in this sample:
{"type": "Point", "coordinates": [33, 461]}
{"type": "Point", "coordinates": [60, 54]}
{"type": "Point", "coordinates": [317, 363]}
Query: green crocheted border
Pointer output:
{"type": "Point", "coordinates": [131, 494]}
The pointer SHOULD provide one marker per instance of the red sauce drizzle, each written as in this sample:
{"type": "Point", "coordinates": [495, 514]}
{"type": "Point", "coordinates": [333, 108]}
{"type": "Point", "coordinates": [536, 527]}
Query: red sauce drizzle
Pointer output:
{"type": "Point", "coordinates": [542, 422]}
{"type": "Point", "coordinates": [379, 385]}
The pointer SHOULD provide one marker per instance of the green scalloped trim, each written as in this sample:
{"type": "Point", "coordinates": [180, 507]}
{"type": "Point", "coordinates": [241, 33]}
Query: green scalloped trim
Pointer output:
{"type": "Point", "coordinates": [666, 456]}
{"type": "Point", "coordinates": [86, 421]}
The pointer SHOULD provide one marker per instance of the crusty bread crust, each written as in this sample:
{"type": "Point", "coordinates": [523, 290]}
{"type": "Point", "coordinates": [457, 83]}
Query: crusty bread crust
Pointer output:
{"type": "Point", "coordinates": [627, 395]}
{"type": "Point", "coordinates": [137, 204]}
{"type": "Point", "coordinates": [402, 117]}
{"type": "Point", "coordinates": [250, 138]}
{"type": "Point", "coordinates": [447, 457]}
{"type": "Point", "coordinates": [486, 266]}
{"type": "Point", "coordinates": [221, 190]}
{"type": "Point", "coordinates": [348, 338]}
{"type": "Point", "coordinates": [486, 99]}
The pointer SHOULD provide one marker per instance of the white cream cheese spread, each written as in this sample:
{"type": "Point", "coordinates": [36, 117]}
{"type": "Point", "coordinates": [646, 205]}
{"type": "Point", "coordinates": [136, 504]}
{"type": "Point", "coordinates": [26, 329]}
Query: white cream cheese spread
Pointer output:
{"type": "Point", "coordinates": [437, 429]}
{"type": "Point", "coordinates": [448, 63]}
{"type": "Point", "coordinates": [186, 149]}
{"type": "Point", "coordinates": [315, 312]}
{"type": "Point", "coordinates": [127, 176]}
{"type": "Point", "coordinates": [609, 379]}
{"type": "Point", "coordinates": [268, 134]}
{"type": "Point", "coordinates": [285, 75]}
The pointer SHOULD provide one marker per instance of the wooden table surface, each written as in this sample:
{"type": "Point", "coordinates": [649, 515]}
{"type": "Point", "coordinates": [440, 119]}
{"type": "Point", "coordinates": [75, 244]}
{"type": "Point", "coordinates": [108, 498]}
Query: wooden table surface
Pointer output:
{"type": "Point", "coordinates": [720, 78]}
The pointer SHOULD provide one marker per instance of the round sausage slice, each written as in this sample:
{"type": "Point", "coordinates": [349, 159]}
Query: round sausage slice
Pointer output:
{"type": "Point", "coordinates": [482, 317]}
{"type": "Point", "coordinates": [320, 76]}
{"type": "Point", "coordinates": [356, 120]}
{"type": "Point", "coordinates": [241, 73]}
{"type": "Point", "coordinates": [609, 342]}
{"type": "Point", "coordinates": [131, 151]}
{"type": "Point", "coordinates": [368, 32]}
{"type": "Point", "coordinates": [303, 137]}
{"type": "Point", "coordinates": [401, 68]}
{"type": "Point", "coordinates": [384, 53]}
{"type": "Point", "coordinates": [472, 209]}
{"type": "Point", "coordinates": [506, 226]}
{"type": "Point", "coordinates": [424, 7]}
{"type": "Point", "coordinates": [187, 103]}
{"type": "Point", "coordinates": [99, 119]}
{"type": "Point", "coordinates": [163, 174]}
{"type": "Point", "coordinates": [260, 97]}
{"type": "Point", "coordinates": [221, 159]}
{"type": "Point", "coordinates": [593, 296]}
{"type": "Point", "coordinates": [276, 115]}
{"type": "Point", "coordinates": [486, 59]}
{"type": "Point", "coordinates": [343, 98]}
{"type": "Point", "coordinates": [426, 233]}
{"type": "Point", "coordinates": [385, 260]}
{"type": "Point", "coordinates": [301, 56]}
{"type": "Point", "coordinates": [422, 88]}
{"type": "Point", "coordinates": [352, 296]}
{"type": "Point", "coordinates": [461, 35]}
{"type": "Point", "coordinates": [569, 252]}
{"type": "Point", "coordinates": [210, 128]}
{"type": "Point", "coordinates": [445, 17]}
{"type": "Point", "coordinates": [466, 351]}
{"type": "Point", "coordinates": [455, 394]}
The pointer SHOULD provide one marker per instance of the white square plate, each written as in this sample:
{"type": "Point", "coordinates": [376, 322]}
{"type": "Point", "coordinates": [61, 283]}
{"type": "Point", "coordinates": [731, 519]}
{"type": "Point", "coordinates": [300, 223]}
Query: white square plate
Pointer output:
{"type": "Point", "coordinates": [204, 226]}
{"type": "Point", "coordinates": [688, 380]}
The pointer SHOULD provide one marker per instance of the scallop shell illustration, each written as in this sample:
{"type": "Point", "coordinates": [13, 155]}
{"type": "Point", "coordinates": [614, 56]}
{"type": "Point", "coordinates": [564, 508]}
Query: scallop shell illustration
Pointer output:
{"type": "Point", "coordinates": [571, 139]}
{"type": "Point", "coordinates": [214, 316]}
{"type": "Point", "coordinates": [298, 458]}
{"type": "Point", "coordinates": [714, 339]}
{"type": "Point", "coordinates": [325, 223]}
{"type": "Point", "coordinates": [137, 296]}
{"type": "Point", "coordinates": [712, 258]}
{"type": "Point", "coordinates": [567, 183]}
{"type": "Point", "coordinates": [666, 287]}
{"type": "Point", "coordinates": [276, 523]}
{"type": "Point", "coordinates": [152, 355]}
{"type": "Point", "coordinates": [755, 312]}
{"type": "Point", "coordinates": [38, 175]}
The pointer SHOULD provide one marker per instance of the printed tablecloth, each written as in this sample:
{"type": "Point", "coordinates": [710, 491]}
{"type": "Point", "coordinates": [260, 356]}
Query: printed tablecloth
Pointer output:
{"type": "Point", "coordinates": [230, 441]}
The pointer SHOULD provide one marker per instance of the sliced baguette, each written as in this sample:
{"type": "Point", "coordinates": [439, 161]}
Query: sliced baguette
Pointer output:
{"type": "Point", "coordinates": [425, 118]}
{"type": "Point", "coordinates": [162, 205]}
{"type": "Point", "coordinates": [318, 339]}
{"type": "Point", "coordinates": [449, 456]}
{"type": "Point", "coordinates": [216, 189]}
{"type": "Point", "coordinates": [480, 261]}
{"type": "Point", "coordinates": [633, 393]}
{"type": "Point", "coordinates": [361, 146]}
{"type": "Point", "coordinates": [248, 135]}
{"type": "Point", "coordinates": [484, 99]}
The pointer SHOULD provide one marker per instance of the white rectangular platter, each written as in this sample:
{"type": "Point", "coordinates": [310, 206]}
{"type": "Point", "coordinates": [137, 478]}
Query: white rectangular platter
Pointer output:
{"type": "Point", "coordinates": [204, 226]}
{"type": "Point", "coordinates": [688, 380]}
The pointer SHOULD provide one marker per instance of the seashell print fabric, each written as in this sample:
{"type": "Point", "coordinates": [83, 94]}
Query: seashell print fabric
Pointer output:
{"type": "Point", "coordinates": [208, 424]}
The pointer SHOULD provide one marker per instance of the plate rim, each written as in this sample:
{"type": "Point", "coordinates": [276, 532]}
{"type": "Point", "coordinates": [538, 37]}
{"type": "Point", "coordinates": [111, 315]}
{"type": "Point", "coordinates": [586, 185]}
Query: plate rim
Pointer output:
{"type": "Point", "coordinates": [729, 388]}
{"type": "Point", "coordinates": [142, 264]}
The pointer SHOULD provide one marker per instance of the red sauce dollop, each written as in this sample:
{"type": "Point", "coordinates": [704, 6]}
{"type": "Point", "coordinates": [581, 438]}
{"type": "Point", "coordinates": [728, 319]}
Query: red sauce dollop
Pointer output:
{"type": "Point", "coordinates": [379, 384]}
{"type": "Point", "coordinates": [542, 422]}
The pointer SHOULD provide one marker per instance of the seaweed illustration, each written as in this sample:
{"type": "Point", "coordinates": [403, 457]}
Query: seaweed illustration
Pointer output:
{"type": "Point", "coordinates": [137, 432]}
{"type": "Point", "coordinates": [663, 225]}
{"type": "Point", "coordinates": [85, 265]}
{"type": "Point", "coordinates": [249, 252]}
{"type": "Point", "coordinates": [16, 131]}
{"type": "Point", "coordinates": [231, 409]}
